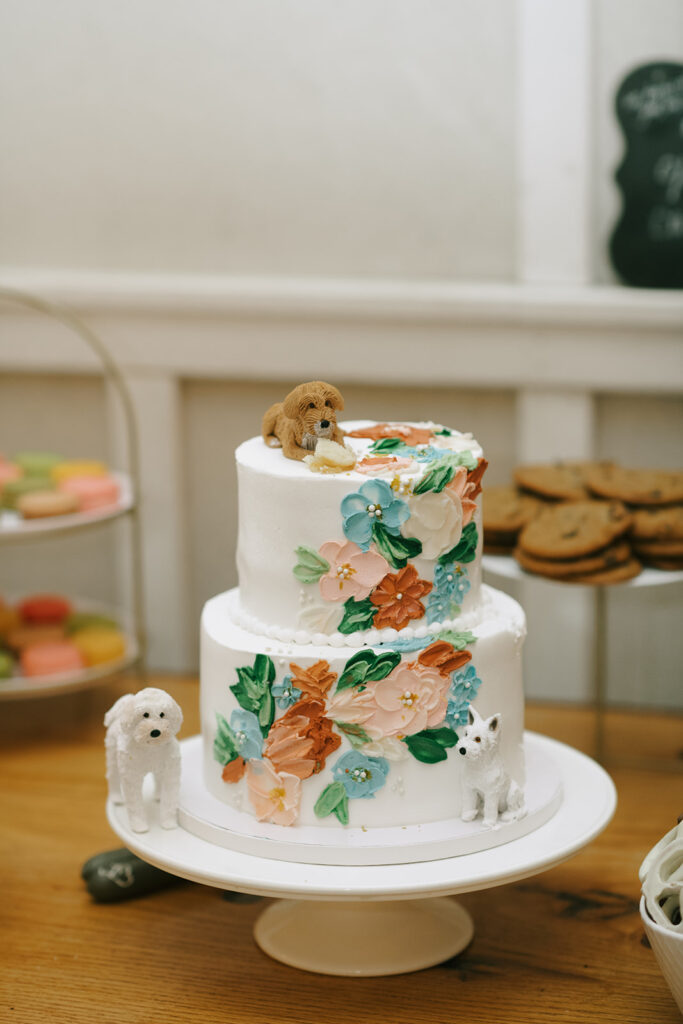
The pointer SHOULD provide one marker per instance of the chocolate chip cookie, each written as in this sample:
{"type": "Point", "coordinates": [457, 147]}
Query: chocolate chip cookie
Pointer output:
{"type": "Point", "coordinates": [574, 529]}
{"type": "Point", "coordinates": [644, 487]}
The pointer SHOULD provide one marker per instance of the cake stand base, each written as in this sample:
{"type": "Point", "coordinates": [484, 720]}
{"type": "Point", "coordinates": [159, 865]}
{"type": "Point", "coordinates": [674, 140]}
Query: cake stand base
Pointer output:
{"type": "Point", "coordinates": [380, 919]}
{"type": "Point", "coordinates": [364, 939]}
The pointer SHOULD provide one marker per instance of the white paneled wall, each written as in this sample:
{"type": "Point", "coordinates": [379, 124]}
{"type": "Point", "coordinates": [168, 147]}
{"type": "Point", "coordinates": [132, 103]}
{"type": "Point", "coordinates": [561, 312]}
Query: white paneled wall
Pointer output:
{"type": "Point", "coordinates": [411, 199]}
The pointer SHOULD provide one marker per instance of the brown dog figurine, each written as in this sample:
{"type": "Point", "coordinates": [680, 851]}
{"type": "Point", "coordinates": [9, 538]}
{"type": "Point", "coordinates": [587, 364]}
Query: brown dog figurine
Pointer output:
{"type": "Point", "coordinates": [308, 413]}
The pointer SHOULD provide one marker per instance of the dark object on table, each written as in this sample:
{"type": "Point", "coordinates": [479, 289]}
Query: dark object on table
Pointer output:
{"type": "Point", "coordinates": [646, 247]}
{"type": "Point", "coordinates": [118, 875]}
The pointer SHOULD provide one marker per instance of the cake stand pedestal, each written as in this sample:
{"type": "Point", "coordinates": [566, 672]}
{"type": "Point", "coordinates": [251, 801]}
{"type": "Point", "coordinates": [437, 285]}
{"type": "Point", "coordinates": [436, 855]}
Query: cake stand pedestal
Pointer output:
{"type": "Point", "coordinates": [380, 919]}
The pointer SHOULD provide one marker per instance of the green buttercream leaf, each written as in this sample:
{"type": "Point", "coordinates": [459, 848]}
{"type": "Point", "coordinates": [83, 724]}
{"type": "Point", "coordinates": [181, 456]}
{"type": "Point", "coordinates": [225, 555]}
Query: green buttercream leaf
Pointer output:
{"type": "Point", "coordinates": [465, 459]}
{"type": "Point", "coordinates": [356, 669]}
{"type": "Point", "coordinates": [466, 548]}
{"type": "Point", "coordinates": [396, 549]}
{"type": "Point", "coordinates": [355, 734]}
{"type": "Point", "coordinates": [357, 615]}
{"type": "Point", "coordinates": [459, 640]}
{"type": "Point", "coordinates": [253, 690]}
{"type": "Point", "coordinates": [435, 479]}
{"type": "Point", "coordinates": [387, 444]}
{"type": "Point", "coordinates": [382, 666]}
{"type": "Point", "coordinates": [342, 810]}
{"type": "Point", "coordinates": [225, 748]}
{"type": "Point", "coordinates": [443, 432]}
{"type": "Point", "coordinates": [429, 746]}
{"type": "Point", "coordinates": [310, 566]}
{"type": "Point", "coordinates": [329, 799]}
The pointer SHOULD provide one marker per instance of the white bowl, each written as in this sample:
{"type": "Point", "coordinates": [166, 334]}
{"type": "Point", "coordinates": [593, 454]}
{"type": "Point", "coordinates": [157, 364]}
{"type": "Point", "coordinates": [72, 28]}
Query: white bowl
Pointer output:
{"type": "Point", "coordinates": [667, 946]}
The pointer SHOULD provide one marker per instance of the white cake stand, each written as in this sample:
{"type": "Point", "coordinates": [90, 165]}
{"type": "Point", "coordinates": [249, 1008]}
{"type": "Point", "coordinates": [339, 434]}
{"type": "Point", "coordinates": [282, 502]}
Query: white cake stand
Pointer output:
{"type": "Point", "coordinates": [380, 919]}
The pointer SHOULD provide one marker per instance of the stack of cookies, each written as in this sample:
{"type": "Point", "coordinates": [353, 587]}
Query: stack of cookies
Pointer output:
{"type": "Point", "coordinates": [587, 522]}
{"type": "Point", "coordinates": [655, 497]}
{"type": "Point", "coordinates": [579, 542]}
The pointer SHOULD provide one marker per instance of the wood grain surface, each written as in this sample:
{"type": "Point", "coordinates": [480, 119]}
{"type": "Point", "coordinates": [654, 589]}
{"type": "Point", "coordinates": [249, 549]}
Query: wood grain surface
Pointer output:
{"type": "Point", "coordinates": [566, 945]}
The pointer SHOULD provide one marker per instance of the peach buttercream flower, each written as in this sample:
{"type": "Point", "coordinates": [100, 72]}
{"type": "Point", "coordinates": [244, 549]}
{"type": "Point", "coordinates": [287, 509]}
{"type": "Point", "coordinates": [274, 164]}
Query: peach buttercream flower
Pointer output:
{"type": "Point", "coordinates": [234, 770]}
{"type": "Point", "coordinates": [314, 681]}
{"type": "Point", "coordinates": [274, 796]}
{"type": "Point", "coordinates": [353, 573]}
{"type": "Point", "coordinates": [300, 742]}
{"type": "Point", "coordinates": [398, 598]}
{"type": "Point", "coordinates": [375, 465]}
{"type": "Point", "coordinates": [413, 697]}
{"type": "Point", "coordinates": [460, 491]}
{"type": "Point", "coordinates": [409, 434]}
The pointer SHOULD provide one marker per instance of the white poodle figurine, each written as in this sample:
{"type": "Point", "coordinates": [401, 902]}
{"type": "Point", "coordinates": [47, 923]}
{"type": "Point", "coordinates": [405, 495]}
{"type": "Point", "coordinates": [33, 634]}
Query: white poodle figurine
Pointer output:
{"type": "Point", "coordinates": [485, 780]}
{"type": "Point", "coordinates": [141, 738]}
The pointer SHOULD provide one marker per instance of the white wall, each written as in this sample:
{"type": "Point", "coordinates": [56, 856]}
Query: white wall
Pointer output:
{"type": "Point", "coordinates": [234, 192]}
{"type": "Point", "coordinates": [308, 137]}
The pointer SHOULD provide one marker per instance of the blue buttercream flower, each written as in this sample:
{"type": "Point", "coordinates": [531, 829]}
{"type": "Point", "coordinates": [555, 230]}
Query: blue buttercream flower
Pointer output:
{"type": "Point", "coordinates": [361, 775]}
{"type": "Point", "coordinates": [451, 583]}
{"type": "Point", "coordinates": [285, 694]}
{"type": "Point", "coordinates": [375, 502]}
{"type": "Point", "coordinates": [465, 684]}
{"type": "Point", "coordinates": [247, 732]}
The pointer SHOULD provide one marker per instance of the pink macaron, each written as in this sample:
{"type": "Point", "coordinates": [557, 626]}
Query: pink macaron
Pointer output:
{"type": "Point", "coordinates": [49, 659]}
{"type": "Point", "coordinates": [92, 491]}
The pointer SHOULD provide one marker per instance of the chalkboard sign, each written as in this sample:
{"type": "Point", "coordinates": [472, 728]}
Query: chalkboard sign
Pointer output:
{"type": "Point", "coordinates": [646, 247]}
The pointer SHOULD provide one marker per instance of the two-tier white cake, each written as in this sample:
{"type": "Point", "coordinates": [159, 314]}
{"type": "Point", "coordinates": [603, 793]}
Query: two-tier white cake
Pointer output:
{"type": "Point", "coordinates": [337, 679]}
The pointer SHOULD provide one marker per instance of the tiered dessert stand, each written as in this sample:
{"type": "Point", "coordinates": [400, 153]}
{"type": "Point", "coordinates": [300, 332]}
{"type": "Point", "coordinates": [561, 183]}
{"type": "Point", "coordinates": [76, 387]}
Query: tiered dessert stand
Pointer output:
{"type": "Point", "coordinates": [14, 530]}
{"type": "Point", "coordinates": [358, 919]}
{"type": "Point", "coordinates": [504, 568]}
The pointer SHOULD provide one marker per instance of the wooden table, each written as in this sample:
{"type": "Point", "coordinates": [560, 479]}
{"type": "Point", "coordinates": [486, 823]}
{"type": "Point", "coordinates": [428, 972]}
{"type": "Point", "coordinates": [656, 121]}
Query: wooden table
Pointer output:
{"type": "Point", "coordinates": [566, 945]}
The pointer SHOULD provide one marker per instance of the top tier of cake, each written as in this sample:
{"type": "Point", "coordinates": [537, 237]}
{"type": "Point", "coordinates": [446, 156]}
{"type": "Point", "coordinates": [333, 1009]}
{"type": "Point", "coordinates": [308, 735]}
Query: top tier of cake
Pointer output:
{"type": "Point", "coordinates": [391, 548]}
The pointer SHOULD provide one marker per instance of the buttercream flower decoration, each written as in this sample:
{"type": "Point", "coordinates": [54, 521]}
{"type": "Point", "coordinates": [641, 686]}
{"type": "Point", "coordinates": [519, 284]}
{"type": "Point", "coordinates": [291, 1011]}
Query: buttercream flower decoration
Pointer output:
{"type": "Point", "coordinates": [352, 572]}
{"type": "Point", "coordinates": [320, 618]}
{"type": "Point", "coordinates": [397, 598]}
{"type": "Point", "coordinates": [444, 657]}
{"type": "Point", "coordinates": [460, 490]}
{"type": "Point", "coordinates": [275, 796]}
{"type": "Point", "coordinates": [361, 775]}
{"type": "Point", "coordinates": [377, 465]}
{"type": "Point", "coordinates": [412, 698]}
{"type": "Point", "coordinates": [410, 435]}
{"type": "Point", "coordinates": [436, 519]}
{"type": "Point", "coordinates": [374, 504]}
{"type": "Point", "coordinates": [330, 457]}
{"type": "Point", "coordinates": [247, 730]}
{"type": "Point", "coordinates": [464, 687]}
{"type": "Point", "coordinates": [301, 740]}
{"type": "Point", "coordinates": [285, 693]}
{"type": "Point", "coordinates": [314, 681]}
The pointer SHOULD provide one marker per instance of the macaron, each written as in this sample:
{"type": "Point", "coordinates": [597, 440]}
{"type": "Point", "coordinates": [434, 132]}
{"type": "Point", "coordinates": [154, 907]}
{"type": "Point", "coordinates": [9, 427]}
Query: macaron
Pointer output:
{"type": "Point", "coordinates": [84, 620]}
{"type": "Point", "coordinates": [9, 471]}
{"type": "Point", "coordinates": [77, 467]}
{"type": "Point", "coordinates": [37, 463]}
{"type": "Point", "coordinates": [42, 504]}
{"type": "Point", "coordinates": [44, 609]}
{"type": "Point", "coordinates": [98, 645]}
{"type": "Point", "coordinates": [6, 665]}
{"type": "Point", "coordinates": [12, 490]}
{"type": "Point", "coordinates": [51, 658]}
{"type": "Point", "coordinates": [92, 491]}
{"type": "Point", "coordinates": [9, 618]}
{"type": "Point", "coordinates": [31, 636]}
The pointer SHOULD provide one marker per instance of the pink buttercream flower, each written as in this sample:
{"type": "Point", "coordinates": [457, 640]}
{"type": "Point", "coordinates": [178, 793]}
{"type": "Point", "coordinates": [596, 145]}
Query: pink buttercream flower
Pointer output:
{"type": "Point", "coordinates": [376, 465]}
{"type": "Point", "coordinates": [353, 573]}
{"type": "Point", "coordinates": [274, 797]}
{"type": "Point", "coordinates": [412, 698]}
{"type": "Point", "coordinates": [462, 491]}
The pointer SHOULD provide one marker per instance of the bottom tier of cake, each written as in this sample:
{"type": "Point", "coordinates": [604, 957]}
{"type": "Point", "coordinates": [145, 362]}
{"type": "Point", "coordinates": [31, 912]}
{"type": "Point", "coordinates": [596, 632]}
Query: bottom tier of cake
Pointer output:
{"type": "Point", "coordinates": [339, 737]}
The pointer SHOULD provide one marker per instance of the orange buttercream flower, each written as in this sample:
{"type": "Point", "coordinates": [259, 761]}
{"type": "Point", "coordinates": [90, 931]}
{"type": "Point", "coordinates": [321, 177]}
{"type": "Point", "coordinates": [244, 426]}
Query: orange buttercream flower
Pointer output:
{"type": "Point", "coordinates": [444, 657]}
{"type": "Point", "coordinates": [234, 770]}
{"type": "Point", "coordinates": [314, 681]}
{"type": "Point", "coordinates": [409, 434]}
{"type": "Point", "coordinates": [398, 598]}
{"type": "Point", "coordinates": [300, 742]}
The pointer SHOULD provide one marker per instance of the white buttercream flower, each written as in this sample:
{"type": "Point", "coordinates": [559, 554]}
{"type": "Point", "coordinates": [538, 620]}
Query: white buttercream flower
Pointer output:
{"type": "Point", "coordinates": [436, 520]}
